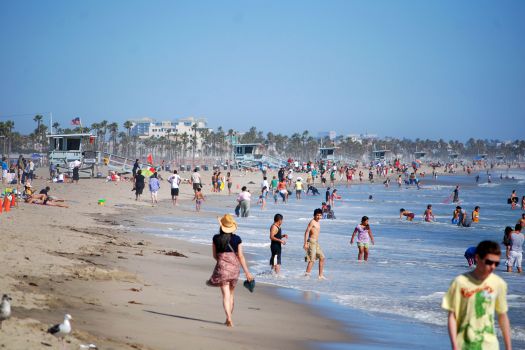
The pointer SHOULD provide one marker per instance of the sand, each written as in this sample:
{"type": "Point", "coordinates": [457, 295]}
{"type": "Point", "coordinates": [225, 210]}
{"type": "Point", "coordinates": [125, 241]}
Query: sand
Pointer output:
{"type": "Point", "coordinates": [120, 286]}
{"type": "Point", "coordinates": [129, 290]}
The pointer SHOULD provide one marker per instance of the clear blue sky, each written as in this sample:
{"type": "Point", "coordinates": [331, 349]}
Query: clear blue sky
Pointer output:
{"type": "Point", "coordinates": [428, 69]}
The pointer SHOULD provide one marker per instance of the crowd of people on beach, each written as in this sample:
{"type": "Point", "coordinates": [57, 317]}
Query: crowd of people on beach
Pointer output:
{"type": "Point", "coordinates": [228, 249]}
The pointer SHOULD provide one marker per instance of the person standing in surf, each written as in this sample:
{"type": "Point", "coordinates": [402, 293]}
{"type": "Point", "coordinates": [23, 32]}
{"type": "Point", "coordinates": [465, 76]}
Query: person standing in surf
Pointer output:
{"type": "Point", "coordinates": [364, 236]}
{"type": "Point", "coordinates": [311, 244]}
{"type": "Point", "coordinates": [276, 240]}
{"type": "Point", "coordinates": [455, 195]}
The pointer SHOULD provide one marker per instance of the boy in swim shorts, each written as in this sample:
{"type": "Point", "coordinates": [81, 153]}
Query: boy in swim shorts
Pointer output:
{"type": "Point", "coordinates": [402, 212]}
{"type": "Point", "coordinates": [311, 244]}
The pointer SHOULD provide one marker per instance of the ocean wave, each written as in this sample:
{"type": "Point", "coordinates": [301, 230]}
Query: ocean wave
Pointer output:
{"type": "Point", "coordinates": [492, 184]}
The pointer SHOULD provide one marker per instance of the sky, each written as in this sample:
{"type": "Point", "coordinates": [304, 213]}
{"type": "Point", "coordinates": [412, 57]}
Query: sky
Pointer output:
{"type": "Point", "coordinates": [415, 69]}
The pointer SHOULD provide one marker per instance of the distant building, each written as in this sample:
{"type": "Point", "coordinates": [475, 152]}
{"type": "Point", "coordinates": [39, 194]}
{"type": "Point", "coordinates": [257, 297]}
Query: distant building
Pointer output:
{"type": "Point", "coordinates": [141, 126]}
{"type": "Point", "coordinates": [149, 127]}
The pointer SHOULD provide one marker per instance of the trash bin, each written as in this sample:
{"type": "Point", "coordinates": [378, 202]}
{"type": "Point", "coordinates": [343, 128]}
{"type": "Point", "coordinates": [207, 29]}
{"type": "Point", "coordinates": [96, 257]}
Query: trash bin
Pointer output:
{"type": "Point", "coordinates": [182, 168]}
{"type": "Point", "coordinates": [167, 167]}
{"type": "Point", "coordinates": [197, 167]}
{"type": "Point", "coordinates": [225, 167]}
{"type": "Point", "coordinates": [205, 167]}
{"type": "Point", "coordinates": [188, 167]}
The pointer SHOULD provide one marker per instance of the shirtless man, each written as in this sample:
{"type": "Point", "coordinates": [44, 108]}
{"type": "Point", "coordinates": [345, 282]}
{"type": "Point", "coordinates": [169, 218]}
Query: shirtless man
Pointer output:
{"type": "Point", "coordinates": [311, 245]}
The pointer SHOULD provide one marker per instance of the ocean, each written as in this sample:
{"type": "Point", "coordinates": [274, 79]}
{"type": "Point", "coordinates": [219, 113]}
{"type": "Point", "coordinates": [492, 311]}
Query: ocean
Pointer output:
{"type": "Point", "coordinates": [394, 300]}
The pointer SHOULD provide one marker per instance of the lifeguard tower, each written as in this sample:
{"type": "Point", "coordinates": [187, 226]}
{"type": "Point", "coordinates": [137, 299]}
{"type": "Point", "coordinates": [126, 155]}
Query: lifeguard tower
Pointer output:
{"type": "Point", "coordinates": [453, 156]}
{"type": "Point", "coordinates": [327, 153]}
{"type": "Point", "coordinates": [246, 155]}
{"type": "Point", "coordinates": [419, 155]}
{"type": "Point", "coordinates": [381, 155]}
{"type": "Point", "coordinates": [65, 149]}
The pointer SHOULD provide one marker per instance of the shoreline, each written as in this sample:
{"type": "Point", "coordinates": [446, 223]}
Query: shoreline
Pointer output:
{"type": "Point", "coordinates": [123, 291]}
{"type": "Point", "coordinates": [121, 288]}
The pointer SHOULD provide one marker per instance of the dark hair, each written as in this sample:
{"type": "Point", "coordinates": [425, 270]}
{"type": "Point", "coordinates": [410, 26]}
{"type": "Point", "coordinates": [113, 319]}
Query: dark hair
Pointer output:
{"type": "Point", "coordinates": [517, 227]}
{"type": "Point", "coordinates": [477, 207]}
{"type": "Point", "coordinates": [318, 211]}
{"type": "Point", "coordinates": [243, 188]}
{"type": "Point", "coordinates": [429, 206]}
{"type": "Point", "coordinates": [264, 178]}
{"type": "Point", "coordinates": [277, 217]}
{"type": "Point", "coordinates": [154, 175]}
{"type": "Point", "coordinates": [401, 210]}
{"type": "Point", "coordinates": [174, 171]}
{"type": "Point", "coordinates": [488, 247]}
{"type": "Point", "coordinates": [139, 172]}
{"type": "Point", "coordinates": [364, 218]}
{"type": "Point", "coordinates": [224, 240]}
{"type": "Point", "coordinates": [506, 236]}
{"type": "Point", "coordinates": [47, 188]}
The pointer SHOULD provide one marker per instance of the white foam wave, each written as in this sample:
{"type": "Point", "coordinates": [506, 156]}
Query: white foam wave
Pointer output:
{"type": "Point", "coordinates": [492, 184]}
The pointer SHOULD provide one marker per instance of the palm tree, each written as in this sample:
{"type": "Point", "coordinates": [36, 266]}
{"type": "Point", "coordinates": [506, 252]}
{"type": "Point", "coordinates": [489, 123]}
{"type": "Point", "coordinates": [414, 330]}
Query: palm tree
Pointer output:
{"type": "Point", "coordinates": [96, 128]}
{"type": "Point", "coordinates": [185, 139]}
{"type": "Point", "coordinates": [194, 140]}
{"type": "Point", "coordinates": [9, 125]}
{"type": "Point", "coordinates": [38, 119]}
{"type": "Point", "coordinates": [113, 130]}
{"type": "Point", "coordinates": [104, 130]}
{"type": "Point", "coordinates": [56, 126]}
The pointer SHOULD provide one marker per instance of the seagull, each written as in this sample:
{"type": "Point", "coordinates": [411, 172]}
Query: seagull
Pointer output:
{"type": "Point", "coordinates": [62, 329]}
{"type": "Point", "coordinates": [5, 309]}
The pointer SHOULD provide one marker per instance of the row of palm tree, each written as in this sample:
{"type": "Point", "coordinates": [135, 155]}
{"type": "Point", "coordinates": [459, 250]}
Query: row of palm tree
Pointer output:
{"type": "Point", "coordinates": [217, 144]}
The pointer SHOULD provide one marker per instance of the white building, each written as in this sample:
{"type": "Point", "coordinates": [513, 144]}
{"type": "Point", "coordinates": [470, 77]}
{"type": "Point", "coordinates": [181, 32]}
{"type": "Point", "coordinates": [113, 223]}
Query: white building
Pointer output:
{"type": "Point", "coordinates": [149, 127]}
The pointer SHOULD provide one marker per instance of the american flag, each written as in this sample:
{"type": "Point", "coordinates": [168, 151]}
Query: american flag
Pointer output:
{"type": "Point", "coordinates": [75, 121]}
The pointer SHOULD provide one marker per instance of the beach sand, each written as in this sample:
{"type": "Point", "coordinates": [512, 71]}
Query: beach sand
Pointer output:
{"type": "Point", "coordinates": [120, 286]}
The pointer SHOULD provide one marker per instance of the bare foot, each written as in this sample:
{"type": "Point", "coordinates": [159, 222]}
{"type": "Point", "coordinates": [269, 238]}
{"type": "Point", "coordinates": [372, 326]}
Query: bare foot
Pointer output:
{"type": "Point", "coordinates": [322, 277]}
{"type": "Point", "coordinates": [229, 323]}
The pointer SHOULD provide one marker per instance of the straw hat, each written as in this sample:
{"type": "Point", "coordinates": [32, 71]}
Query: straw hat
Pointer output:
{"type": "Point", "coordinates": [227, 223]}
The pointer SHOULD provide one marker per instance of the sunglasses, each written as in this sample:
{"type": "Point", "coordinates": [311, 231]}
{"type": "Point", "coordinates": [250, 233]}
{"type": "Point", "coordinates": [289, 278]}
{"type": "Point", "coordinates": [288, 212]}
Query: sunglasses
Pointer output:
{"type": "Point", "coordinates": [490, 262]}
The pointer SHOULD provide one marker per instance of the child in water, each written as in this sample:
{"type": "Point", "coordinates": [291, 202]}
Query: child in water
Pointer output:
{"type": "Point", "coordinates": [455, 216]}
{"type": "Point", "coordinates": [262, 198]}
{"type": "Point", "coordinates": [470, 253]}
{"type": "Point", "coordinates": [428, 215]}
{"type": "Point", "coordinates": [475, 214]}
{"type": "Point", "coordinates": [198, 198]}
{"type": "Point", "coordinates": [402, 212]}
{"type": "Point", "coordinates": [364, 236]}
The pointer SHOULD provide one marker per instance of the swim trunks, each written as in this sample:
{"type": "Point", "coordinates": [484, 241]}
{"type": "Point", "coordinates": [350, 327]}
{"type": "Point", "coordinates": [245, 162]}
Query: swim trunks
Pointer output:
{"type": "Point", "coordinates": [362, 244]}
{"type": "Point", "coordinates": [314, 251]}
{"type": "Point", "coordinates": [174, 191]}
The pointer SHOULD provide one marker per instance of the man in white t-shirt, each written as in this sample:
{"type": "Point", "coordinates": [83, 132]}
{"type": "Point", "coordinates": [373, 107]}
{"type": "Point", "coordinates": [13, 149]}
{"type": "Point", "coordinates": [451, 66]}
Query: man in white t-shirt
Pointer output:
{"type": "Point", "coordinates": [174, 180]}
{"type": "Point", "coordinates": [196, 180]}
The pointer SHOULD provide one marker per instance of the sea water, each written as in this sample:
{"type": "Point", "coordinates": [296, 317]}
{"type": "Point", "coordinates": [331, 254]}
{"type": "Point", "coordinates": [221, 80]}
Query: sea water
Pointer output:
{"type": "Point", "coordinates": [395, 298]}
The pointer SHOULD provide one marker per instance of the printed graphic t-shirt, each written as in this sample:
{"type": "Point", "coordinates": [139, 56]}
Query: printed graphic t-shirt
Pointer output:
{"type": "Point", "coordinates": [473, 303]}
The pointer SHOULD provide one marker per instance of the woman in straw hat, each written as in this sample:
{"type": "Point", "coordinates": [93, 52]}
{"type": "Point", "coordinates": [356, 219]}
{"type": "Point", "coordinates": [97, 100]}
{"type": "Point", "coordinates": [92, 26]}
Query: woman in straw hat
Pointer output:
{"type": "Point", "coordinates": [227, 251]}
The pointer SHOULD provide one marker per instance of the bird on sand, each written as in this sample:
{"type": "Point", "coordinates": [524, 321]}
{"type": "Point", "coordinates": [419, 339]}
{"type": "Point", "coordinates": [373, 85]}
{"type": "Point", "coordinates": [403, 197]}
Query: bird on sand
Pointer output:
{"type": "Point", "coordinates": [5, 308]}
{"type": "Point", "coordinates": [62, 329]}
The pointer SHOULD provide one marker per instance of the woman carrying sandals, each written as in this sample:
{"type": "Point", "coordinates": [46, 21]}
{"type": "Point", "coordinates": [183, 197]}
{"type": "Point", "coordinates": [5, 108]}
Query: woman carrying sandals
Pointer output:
{"type": "Point", "coordinates": [227, 251]}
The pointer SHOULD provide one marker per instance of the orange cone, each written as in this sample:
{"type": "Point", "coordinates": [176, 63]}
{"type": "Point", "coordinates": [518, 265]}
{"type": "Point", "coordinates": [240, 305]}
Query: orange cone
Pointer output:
{"type": "Point", "coordinates": [13, 200]}
{"type": "Point", "coordinates": [1, 205]}
{"type": "Point", "coordinates": [7, 204]}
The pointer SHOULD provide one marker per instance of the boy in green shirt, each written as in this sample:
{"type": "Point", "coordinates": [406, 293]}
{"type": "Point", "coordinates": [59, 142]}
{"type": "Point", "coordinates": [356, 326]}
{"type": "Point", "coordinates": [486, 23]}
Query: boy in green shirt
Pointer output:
{"type": "Point", "coordinates": [471, 301]}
